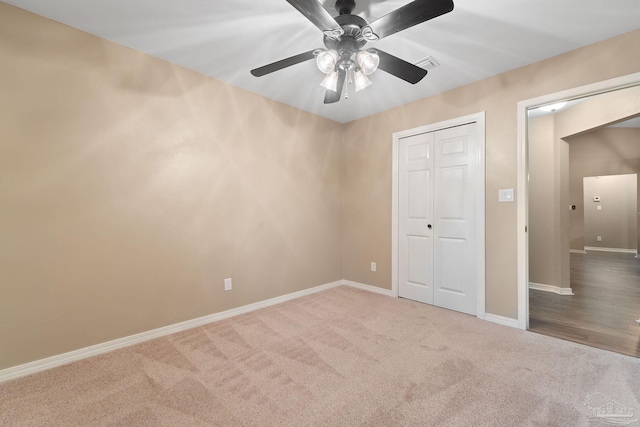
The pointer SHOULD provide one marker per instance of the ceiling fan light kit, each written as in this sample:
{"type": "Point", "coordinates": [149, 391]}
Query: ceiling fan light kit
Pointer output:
{"type": "Point", "coordinates": [326, 60]}
{"type": "Point", "coordinates": [330, 81]}
{"type": "Point", "coordinates": [332, 63]}
{"type": "Point", "coordinates": [368, 60]}
{"type": "Point", "coordinates": [345, 37]}
{"type": "Point", "coordinates": [360, 80]}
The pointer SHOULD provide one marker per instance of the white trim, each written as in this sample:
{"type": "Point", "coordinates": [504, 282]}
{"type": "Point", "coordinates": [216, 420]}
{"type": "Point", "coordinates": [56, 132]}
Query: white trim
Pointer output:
{"type": "Point", "coordinates": [505, 321]}
{"type": "Point", "coordinates": [481, 224]}
{"type": "Point", "coordinates": [522, 218]}
{"type": "Point", "coordinates": [94, 350]}
{"type": "Point", "coordinates": [369, 288]}
{"type": "Point", "coordinates": [622, 250]}
{"type": "Point", "coordinates": [577, 251]}
{"type": "Point", "coordinates": [522, 191]}
{"type": "Point", "coordinates": [478, 118]}
{"type": "Point", "coordinates": [395, 182]}
{"type": "Point", "coordinates": [551, 288]}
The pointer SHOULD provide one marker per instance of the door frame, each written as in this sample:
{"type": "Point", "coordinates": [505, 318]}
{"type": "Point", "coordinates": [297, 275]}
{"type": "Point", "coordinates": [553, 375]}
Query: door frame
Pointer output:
{"type": "Point", "coordinates": [478, 118]}
{"type": "Point", "coordinates": [523, 172]}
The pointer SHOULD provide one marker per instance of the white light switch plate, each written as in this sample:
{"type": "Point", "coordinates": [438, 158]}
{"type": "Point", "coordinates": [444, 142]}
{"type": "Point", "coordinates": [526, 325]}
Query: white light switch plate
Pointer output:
{"type": "Point", "coordinates": [506, 195]}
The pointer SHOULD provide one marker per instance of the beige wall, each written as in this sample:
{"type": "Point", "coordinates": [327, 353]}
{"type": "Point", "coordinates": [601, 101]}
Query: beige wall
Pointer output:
{"type": "Point", "coordinates": [545, 264]}
{"type": "Point", "coordinates": [607, 151]}
{"type": "Point", "coordinates": [130, 188]}
{"type": "Point", "coordinates": [598, 111]}
{"type": "Point", "coordinates": [548, 216]}
{"type": "Point", "coordinates": [367, 160]}
{"type": "Point", "coordinates": [616, 223]}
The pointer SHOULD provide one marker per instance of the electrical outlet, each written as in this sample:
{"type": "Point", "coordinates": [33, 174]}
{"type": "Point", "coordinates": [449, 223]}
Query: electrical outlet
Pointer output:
{"type": "Point", "coordinates": [599, 238]}
{"type": "Point", "coordinates": [227, 284]}
{"type": "Point", "coordinates": [373, 266]}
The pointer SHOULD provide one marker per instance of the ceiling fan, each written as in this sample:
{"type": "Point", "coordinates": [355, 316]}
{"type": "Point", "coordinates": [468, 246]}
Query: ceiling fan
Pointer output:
{"type": "Point", "coordinates": [346, 35]}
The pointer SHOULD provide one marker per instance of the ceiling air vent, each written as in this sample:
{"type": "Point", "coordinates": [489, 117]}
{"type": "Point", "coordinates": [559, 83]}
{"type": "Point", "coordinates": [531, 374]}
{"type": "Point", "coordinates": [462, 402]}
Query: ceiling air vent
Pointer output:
{"type": "Point", "coordinates": [427, 63]}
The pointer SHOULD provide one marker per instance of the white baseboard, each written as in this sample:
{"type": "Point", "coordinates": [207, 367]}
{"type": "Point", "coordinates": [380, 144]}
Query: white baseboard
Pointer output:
{"type": "Point", "coordinates": [374, 289]}
{"type": "Point", "coordinates": [94, 350]}
{"type": "Point", "coordinates": [551, 288]}
{"type": "Point", "coordinates": [505, 321]}
{"type": "Point", "coordinates": [577, 251]}
{"type": "Point", "coordinates": [621, 250]}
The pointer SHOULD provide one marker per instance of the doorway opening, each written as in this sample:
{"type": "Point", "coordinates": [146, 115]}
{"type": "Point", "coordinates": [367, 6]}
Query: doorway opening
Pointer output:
{"type": "Point", "coordinates": [555, 153]}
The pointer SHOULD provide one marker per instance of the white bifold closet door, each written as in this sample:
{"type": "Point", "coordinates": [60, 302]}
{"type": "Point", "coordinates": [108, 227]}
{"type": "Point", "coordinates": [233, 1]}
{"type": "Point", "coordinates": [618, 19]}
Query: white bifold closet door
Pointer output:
{"type": "Point", "coordinates": [438, 218]}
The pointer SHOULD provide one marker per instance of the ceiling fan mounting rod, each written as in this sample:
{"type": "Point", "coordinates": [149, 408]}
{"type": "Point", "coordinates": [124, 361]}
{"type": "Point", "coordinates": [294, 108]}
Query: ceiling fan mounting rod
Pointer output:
{"type": "Point", "coordinates": [345, 7]}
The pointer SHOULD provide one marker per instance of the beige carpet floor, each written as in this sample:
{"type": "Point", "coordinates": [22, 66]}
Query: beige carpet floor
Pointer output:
{"type": "Point", "coordinates": [338, 357]}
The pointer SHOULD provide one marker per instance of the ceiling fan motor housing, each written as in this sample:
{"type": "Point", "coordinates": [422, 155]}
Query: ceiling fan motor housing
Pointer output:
{"type": "Point", "coordinates": [350, 40]}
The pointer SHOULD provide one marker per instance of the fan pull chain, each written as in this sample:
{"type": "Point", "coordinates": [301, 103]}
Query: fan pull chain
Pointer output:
{"type": "Point", "coordinates": [349, 81]}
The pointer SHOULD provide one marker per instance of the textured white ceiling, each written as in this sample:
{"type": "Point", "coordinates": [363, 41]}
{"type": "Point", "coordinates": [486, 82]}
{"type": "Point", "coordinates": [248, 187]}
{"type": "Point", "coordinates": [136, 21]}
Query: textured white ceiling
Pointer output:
{"type": "Point", "coordinates": [227, 38]}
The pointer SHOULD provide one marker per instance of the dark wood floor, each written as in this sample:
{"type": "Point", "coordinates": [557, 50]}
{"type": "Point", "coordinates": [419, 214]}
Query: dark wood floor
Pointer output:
{"type": "Point", "coordinates": [604, 309]}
